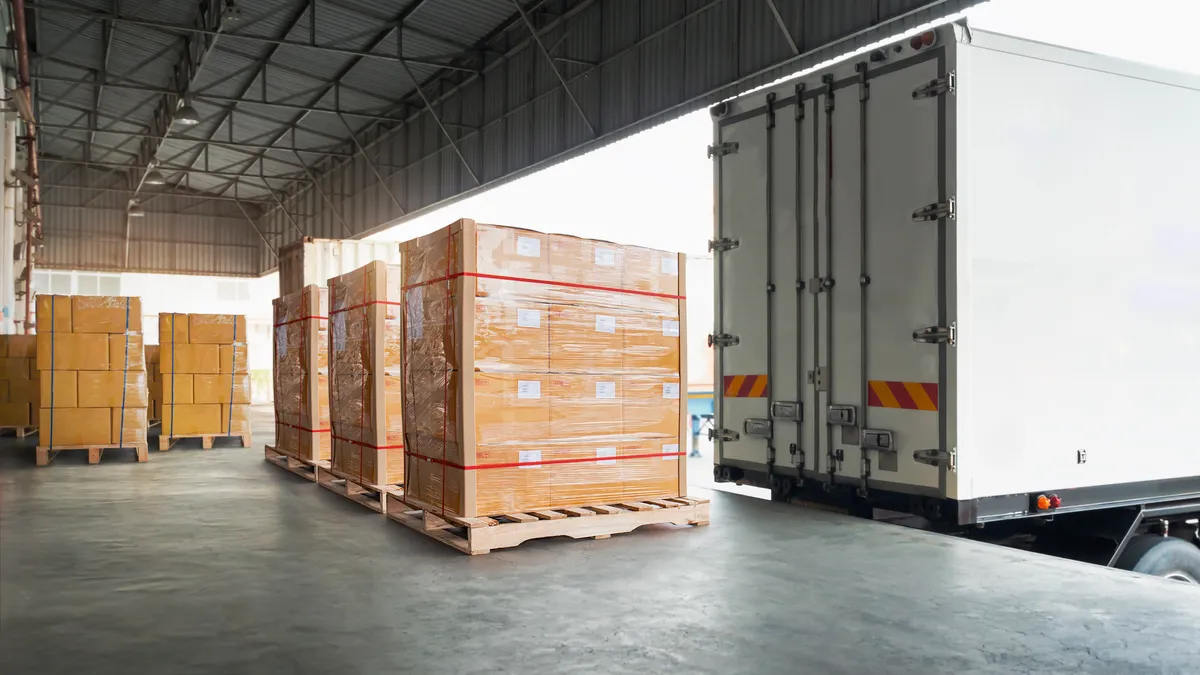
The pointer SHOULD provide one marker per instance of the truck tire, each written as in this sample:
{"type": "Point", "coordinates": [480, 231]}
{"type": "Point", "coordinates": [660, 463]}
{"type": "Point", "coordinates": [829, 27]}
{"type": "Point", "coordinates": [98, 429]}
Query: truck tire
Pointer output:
{"type": "Point", "coordinates": [1167, 557]}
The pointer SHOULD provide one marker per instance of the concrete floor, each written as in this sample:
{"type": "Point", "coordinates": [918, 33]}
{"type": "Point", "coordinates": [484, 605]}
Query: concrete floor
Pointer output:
{"type": "Point", "coordinates": [205, 562]}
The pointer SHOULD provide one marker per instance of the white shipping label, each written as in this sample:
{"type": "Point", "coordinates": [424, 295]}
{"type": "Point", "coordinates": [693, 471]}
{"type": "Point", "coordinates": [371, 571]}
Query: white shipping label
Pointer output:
{"type": "Point", "coordinates": [606, 452]}
{"type": "Point", "coordinates": [670, 266]}
{"type": "Point", "coordinates": [606, 324]}
{"type": "Point", "coordinates": [606, 257]}
{"type": "Point", "coordinates": [529, 389]}
{"type": "Point", "coordinates": [529, 318]}
{"type": "Point", "coordinates": [530, 459]}
{"type": "Point", "coordinates": [606, 390]}
{"type": "Point", "coordinates": [529, 247]}
{"type": "Point", "coordinates": [670, 328]}
{"type": "Point", "coordinates": [670, 451]}
{"type": "Point", "coordinates": [670, 390]}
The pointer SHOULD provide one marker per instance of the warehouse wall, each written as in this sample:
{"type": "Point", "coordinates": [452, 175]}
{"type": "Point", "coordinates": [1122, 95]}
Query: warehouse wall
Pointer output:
{"type": "Point", "coordinates": [653, 61]}
{"type": "Point", "coordinates": [85, 228]}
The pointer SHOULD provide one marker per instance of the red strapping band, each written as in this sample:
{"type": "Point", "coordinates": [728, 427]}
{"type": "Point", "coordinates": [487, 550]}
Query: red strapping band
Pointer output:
{"type": "Point", "coordinates": [509, 465]}
{"type": "Point", "coordinates": [368, 445]}
{"type": "Point", "coordinates": [365, 304]}
{"type": "Point", "coordinates": [567, 284]}
{"type": "Point", "coordinates": [315, 431]}
{"type": "Point", "coordinates": [303, 318]}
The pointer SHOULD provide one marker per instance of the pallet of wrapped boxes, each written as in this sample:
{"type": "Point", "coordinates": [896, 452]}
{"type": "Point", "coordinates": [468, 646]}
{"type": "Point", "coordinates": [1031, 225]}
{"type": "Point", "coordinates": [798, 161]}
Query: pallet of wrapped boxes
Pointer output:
{"type": "Point", "coordinates": [205, 380]}
{"type": "Point", "coordinates": [364, 386]}
{"type": "Point", "coordinates": [154, 384]}
{"type": "Point", "coordinates": [301, 382]}
{"type": "Point", "coordinates": [92, 376]}
{"type": "Point", "coordinates": [542, 381]}
{"type": "Point", "coordinates": [19, 386]}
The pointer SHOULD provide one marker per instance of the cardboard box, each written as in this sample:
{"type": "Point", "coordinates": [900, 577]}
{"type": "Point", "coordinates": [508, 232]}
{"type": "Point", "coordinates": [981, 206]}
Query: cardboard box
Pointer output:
{"type": "Point", "coordinates": [240, 422]}
{"type": "Point", "coordinates": [586, 261]}
{"type": "Point", "coordinates": [104, 389]}
{"type": "Point", "coordinates": [188, 358]}
{"type": "Point", "coordinates": [173, 328]}
{"type": "Point", "coordinates": [66, 388]}
{"type": "Point", "coordinates": [512, 335]}
{"type": "Point", "coordinates": [17, 368]}
{"type": "Point", "coordinates": [586, 339]}
{"type": "Point", "coordinates": [126, 352]}
{"type": "Point", "coordinates": [216, 329]}
{"type": "Point", "coordinates": [586, 408]}
{"type": "Point", "coordinates": [232, 359]}
{"type": "Point", "coordinates": [176, 389]}
{"type": "Point", "coordinates": [221, 389]}
{"type": "Point", "coordinates": [652, 343]}
{"type": "Point", "coordinates": [72, 351]}
{"type": "Point", "coordinates": [18, 346]}
{"type": "Point", "coordinates": [53, 314]}
{"type": "Point", "coordinates": [105, 314]}
{"type": "Point", "coordinates": [16, 415]}
{"type": "Point", "coordinates": [22, 391]}
{"type": "Point", "coordinates": [651, 406]}
{"type": "Point", "coordinates": [129, 426]}
{"type": "Point", "coordinates": [74, 426]}
{"type": "Point", "coordinates": [191, 420]}
{"type": "Point", "coordinates": [511, 407]}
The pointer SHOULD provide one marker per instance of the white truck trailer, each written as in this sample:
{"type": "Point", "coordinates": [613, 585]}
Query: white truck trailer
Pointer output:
{"type": "Point", "coordinates": [959, 277]}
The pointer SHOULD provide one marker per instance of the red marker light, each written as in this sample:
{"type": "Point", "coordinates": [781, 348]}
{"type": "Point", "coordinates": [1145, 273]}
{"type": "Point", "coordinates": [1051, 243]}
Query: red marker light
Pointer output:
{"type": "Point", "coordinates": [1055, 502]}
{"type": "Point", "coordinates": [1043, 502]}
{"type": "Point", "coordinates": [915, 42]}
{"type": "Point", "coordinates": [928, 38]}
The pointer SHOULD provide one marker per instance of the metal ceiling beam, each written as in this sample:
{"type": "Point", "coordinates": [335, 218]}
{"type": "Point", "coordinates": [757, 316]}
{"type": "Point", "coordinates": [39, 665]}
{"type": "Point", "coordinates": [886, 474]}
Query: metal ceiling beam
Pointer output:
{"type": "Point", "coordinates": [787, 34]}
{"type": "Point", "coordinates": [108, 30]}
{"type": "Point", "coordinates": [379, 39]}
{"type": "Point", "coordinates": [165, 169]}
{"type": "Point", "coordinates": [256, 230]}
{"type": "Point", "coordinates": [549, 60]}
{"type": "Point", "coordinates": [190, 139]}
{"type": "Point", "coordinates": [233, 100]}
{"type": "Point", "coordinates": [175, 28]}
{"type": "Point", "coordinates": [367, 158]}
{"type": "Point", "coordinates": [165, 193]}
{"type": "Point", "coordinates": [208, 15]}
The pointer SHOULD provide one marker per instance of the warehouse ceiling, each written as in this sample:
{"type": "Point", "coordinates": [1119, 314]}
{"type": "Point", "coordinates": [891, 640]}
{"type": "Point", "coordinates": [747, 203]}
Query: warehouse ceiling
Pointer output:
{"type": "Point", "coordinates": [308, 117]}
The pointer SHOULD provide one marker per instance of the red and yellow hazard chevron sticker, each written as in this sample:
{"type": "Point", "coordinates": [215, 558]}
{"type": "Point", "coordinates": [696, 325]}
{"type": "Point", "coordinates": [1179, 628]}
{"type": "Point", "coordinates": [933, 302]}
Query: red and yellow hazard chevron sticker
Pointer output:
{"type": "Point", "coordinates": [904, 395]}
{"type": "Point", "coordinates": [746, 386]}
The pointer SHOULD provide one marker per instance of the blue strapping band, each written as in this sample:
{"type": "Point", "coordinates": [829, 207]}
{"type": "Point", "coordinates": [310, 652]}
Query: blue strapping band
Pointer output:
{"type": "Point", "coordinates": [232, 372]}
{"type": "Point", "coordinates": [124, 381]}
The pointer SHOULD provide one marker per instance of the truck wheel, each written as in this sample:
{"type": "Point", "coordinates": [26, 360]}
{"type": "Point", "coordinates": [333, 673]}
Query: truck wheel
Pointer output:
{"type": "Point", "coordinates": [1162, 557]}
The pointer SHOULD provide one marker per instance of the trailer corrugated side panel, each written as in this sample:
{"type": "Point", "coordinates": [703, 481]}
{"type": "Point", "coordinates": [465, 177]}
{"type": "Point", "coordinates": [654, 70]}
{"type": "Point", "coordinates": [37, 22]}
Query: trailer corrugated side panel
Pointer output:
{"type": "Point", "coordinates": [315, 261]}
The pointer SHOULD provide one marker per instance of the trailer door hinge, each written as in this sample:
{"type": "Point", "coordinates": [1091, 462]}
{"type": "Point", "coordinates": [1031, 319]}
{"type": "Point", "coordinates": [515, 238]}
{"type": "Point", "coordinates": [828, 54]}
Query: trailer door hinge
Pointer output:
{"type": "Point", "coordinates": [722, 149]}
{"type": "Point", "coordinates": [937, 334]}
{"type": "Point", "coordinates": [942, 85]}
{"type": "Point", "coordinates": [935, 457]}
{"type": "Point", "coordinates": [935, 211]}
{"type": "Point", "coordinates": [728, 435]}
{"type": "Point", "coordinates": [723, 340]}
{"type": "Point", "coordinates": [723, 244]}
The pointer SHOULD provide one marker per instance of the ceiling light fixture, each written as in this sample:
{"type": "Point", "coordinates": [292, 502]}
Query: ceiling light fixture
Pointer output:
{"type": "Point", "coordinates": [155, 177]}
{"type": "Point", "coordinates": [232, 13]}
{"type": "Point", "coordinates": [186, 114]}
{"type": "Point", "coordinates": [135, 209]}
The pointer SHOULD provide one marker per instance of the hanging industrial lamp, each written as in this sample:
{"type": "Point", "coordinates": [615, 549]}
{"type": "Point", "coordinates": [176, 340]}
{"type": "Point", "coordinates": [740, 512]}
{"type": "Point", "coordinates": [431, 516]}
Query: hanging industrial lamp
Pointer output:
{"type": "Point", "coordinates": [135, 209]}
{"type": "Point", "coordinates": [187, 115]}
{"type": "Point", "coordinates": [155, 177]}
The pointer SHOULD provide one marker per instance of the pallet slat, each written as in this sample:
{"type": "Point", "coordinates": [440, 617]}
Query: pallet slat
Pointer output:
{"type": "Point", "coordinates": [304, 468]}
{"type": "Point", "coordinates": [206, 440]}
{"type": "Point", "coordinates": [21, 432]}
{"type": "Point", "coordinates": [374, 497]}
{"type": "Point", "coordinates": [599, 521]}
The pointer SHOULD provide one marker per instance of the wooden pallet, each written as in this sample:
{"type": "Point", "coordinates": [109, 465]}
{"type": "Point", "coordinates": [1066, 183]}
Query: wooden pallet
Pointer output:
{"type": "Point", "coordinates": [21, 432]}
{"type": "Point", "coordinates": [45, 455]}
{"type": "Point", "coordinates": [304, 468]}
{"type": "Point", "coordinates": [477, 536]}
{"type": "Point", "coordinates": [206, 440]}
{"type": "Point", "coordinates": [374, 497]}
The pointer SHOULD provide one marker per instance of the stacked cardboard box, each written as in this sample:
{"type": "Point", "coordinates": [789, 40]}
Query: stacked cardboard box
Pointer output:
{"type": "Point", "coordinates": [205, 380]}
{"type": "Point", "coordinates": [19, 387]}
{"type": "Point", "coordinates": [92, 368]}
{"type": "Point", "coordinates": [154, 382]}
{"type": "Point", "coordinates": [301, 350]}
{"type": "Point", "coordinates": [541, 371]}
{"type": "Point", "coordinates": [365, 375]}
